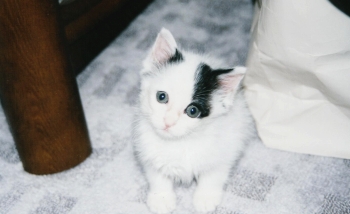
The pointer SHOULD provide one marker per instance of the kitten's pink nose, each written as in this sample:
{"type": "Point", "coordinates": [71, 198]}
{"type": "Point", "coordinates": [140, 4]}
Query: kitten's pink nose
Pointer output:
{"type": "Point", "coordinates": [170, 120]}
{"type": "Point", "coordinates": [166, 127]}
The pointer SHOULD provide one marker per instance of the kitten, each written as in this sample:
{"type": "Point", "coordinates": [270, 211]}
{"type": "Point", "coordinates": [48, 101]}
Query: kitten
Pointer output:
{"type": "Point", "coordinates": [192, 124]}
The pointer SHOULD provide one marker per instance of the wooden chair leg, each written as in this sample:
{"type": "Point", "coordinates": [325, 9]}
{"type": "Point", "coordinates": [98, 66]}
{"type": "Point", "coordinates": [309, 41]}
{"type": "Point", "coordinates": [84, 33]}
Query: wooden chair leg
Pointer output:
{"type": "Point", "coordinates": [38, 91]}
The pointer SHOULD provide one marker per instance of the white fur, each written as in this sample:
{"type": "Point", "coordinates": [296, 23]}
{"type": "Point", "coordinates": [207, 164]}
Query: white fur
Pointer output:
{"type": "Point", "coordinates": [204, 149]}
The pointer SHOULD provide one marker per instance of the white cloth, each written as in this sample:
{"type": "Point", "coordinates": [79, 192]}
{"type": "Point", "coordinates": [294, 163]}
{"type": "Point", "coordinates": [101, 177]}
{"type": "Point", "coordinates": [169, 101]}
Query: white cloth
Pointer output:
{"type": "Point", "coordinates": [298, 77]}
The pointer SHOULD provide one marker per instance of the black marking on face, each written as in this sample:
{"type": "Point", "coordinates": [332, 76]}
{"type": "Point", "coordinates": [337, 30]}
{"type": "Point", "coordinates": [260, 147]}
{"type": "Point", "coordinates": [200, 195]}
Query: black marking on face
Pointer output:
{"type": "Point", "coordinates": [176, 58]}
{"type": "Point", "coordinates": [206, 82]}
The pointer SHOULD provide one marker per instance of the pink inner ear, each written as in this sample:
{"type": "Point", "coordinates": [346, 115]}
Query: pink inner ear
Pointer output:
{"type": "Point", "coordinates": [164, 47]}
{"type": "Point", "coordinates": [230, 82]}
{"type": "Point", "coordinates": [162, 51]}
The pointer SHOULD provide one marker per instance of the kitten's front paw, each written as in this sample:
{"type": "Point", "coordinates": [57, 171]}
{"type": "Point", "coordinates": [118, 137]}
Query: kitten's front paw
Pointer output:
{"type": "Point", "coordinates": [161, 202]}
{"type": "Point", "coordinates": [206, 201]}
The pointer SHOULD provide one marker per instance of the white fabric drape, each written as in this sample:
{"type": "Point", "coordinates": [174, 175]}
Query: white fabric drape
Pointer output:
{"type": "Point", "coordinates": [298, 77]}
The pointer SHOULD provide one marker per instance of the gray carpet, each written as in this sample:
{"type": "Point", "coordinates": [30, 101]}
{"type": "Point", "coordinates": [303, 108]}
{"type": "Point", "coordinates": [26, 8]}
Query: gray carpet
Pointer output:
{"type": "Point", "coordinates": [265, 181]}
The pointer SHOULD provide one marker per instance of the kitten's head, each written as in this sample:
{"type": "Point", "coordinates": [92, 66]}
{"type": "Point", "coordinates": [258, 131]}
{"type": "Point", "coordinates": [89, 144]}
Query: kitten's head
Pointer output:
{"type": "Point", "coordinates": [183, 91]}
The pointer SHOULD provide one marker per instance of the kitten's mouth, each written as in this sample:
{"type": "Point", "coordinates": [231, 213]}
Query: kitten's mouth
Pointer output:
{"type": "Point", "coordinates": [166, 130]}
{"type": "Point", "coordinates": [169, 134]}
{"type": "Point", "coordinates": [165, 133]}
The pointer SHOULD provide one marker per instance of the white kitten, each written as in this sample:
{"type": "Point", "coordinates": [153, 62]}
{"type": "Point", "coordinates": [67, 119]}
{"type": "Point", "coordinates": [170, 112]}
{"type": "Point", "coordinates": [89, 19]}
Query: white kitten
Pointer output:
{"type": "Point", "coordinates": [192, 124]}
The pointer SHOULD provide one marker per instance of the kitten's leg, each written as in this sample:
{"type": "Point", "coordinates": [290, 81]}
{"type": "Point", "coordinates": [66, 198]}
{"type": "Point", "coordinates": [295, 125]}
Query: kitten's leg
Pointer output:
{"type": "Point", "coordinates": [161, 195]}
{"type": "Point", "coordinates": [209, 191]}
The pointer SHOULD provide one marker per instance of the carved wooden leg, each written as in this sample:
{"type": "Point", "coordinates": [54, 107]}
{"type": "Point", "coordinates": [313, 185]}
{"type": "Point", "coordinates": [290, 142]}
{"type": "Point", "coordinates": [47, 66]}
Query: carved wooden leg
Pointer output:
{"type": "Point", "coordinates": [38, 91]}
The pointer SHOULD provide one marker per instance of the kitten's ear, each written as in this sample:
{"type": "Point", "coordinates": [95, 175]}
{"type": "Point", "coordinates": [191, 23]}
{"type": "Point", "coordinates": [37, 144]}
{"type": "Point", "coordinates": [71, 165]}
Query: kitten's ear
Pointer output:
{"type": "Point", "coordinates": [230, 82]}
{"type": "Point", "coordinates": [162, 51]}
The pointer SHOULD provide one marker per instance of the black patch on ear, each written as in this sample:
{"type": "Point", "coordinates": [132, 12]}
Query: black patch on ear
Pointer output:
{"type": "Point", "coordinates": [177, 57]}
{"type": "Point", "coordinates": [206, 82]}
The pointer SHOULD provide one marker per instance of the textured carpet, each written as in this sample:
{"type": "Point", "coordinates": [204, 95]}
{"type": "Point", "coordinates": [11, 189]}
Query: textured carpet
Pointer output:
{"type": "Point", "coordinates": [265, 181]}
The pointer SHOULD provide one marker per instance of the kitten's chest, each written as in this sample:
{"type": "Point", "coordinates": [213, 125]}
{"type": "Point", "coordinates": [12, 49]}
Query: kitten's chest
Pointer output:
{"type": "Point", "coordinates": [183, 159]}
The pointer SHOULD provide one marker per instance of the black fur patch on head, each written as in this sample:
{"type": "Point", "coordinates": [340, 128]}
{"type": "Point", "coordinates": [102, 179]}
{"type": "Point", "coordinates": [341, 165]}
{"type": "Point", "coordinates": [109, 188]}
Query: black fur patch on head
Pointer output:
{"type": "Point", "coordinates": [206, 82]}
{"type": "Point", "coordinates": [176, 58]}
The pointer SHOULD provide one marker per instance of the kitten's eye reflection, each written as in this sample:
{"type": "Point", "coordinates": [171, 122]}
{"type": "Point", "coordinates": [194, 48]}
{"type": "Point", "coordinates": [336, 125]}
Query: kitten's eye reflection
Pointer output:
{"type": "Point", "coordinates": [162, 97]}
{"type": "Point", "coordinates": [192, 111]}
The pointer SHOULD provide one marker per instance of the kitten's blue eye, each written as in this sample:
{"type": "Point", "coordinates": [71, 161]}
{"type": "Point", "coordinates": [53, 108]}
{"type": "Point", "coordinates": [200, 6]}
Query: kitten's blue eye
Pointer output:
{"type": "Point", "coordinates": [162, 97]}
{"type": "Point", "coordinates": [192, 111]}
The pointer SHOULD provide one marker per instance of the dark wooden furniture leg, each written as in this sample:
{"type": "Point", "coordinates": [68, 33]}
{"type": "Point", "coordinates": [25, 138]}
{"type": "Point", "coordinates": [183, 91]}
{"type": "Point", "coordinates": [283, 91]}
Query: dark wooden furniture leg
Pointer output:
{"type": "Point", "coordinates": [38, 91]}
